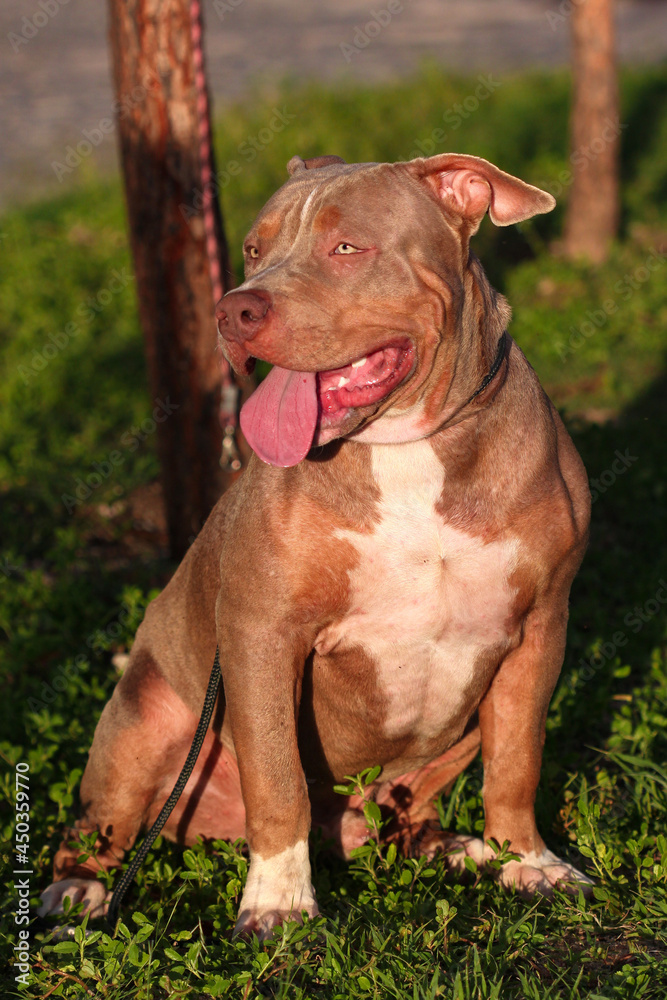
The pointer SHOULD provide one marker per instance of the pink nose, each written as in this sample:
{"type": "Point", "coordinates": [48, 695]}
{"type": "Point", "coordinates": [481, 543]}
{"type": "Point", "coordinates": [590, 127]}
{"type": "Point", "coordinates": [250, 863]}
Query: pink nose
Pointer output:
{"type": "Point", "coordinates": [241, 315]}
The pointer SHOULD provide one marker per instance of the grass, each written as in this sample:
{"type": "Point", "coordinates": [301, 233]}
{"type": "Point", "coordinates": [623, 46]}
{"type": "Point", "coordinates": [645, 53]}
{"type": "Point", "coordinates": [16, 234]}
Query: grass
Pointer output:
{"type": "Point", "coordinates": [70, 595]}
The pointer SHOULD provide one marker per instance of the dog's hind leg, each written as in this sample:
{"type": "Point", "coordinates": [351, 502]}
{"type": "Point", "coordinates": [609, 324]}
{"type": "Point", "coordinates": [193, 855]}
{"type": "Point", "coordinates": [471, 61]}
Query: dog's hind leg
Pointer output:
{"type": "Point", "coordinates": [140, 743]}
{"type": "Point", "coordinates": [409, 801]}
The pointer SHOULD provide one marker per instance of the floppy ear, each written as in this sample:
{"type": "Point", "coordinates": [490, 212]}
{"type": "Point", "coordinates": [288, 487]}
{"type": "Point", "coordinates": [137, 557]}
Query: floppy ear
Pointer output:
{"type": "Point", "coordinates": [470, 186]}
{"type": "Point", "coordinates": [296, 163]}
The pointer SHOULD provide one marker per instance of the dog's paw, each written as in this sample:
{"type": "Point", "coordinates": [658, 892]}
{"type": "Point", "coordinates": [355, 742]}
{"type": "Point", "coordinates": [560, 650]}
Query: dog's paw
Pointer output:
{"type": "Point", "coordinates": [278, 888]}
{"type": "Point", "coordinates": [353, 832]}
{"type": "Point", "coordinates": [458, 846]}
{"type": "Point", "coordinates": [541, 873]}
{"type": "Point", "coordinates": [534, 874]}
{"type": "Point", "coordinates": [262, 922]}
{"type": "Point", "coordinates": [89, 891]}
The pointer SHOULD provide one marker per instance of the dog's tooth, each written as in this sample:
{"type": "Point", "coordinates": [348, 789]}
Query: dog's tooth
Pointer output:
{"type": "Point", "coordinates": [342, 381]}
{"type": "Point", "coordinates": [358, 364]}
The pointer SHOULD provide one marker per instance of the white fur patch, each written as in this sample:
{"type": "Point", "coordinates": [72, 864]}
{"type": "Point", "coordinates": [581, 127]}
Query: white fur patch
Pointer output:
{"type": "Point", "coordinates": [394, 427]}
{"type": "Point", "coordinates": [276, 888]}
{"type": "Point", "coordinates": [534, 874]}
{"type": "Point", "coordinates": [540, 873]}
{"type": "Point", "coordinates": [426, 598]}
{"type": "Point", "coordinates": [306, 205]}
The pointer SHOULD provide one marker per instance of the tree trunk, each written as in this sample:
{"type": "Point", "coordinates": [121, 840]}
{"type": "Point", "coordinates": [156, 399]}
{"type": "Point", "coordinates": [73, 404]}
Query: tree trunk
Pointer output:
{"type": "Point", "coordinates": [158, 126]}
{"type": "Point", "coordinates": [593, 208]}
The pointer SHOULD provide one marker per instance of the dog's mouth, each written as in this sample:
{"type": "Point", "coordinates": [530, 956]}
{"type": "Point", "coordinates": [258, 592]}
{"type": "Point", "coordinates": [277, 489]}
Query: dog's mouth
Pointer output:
{"type": "Point", "coordinates": [281, 418]}
{"type": "Point", "coordinates": [363, 382]}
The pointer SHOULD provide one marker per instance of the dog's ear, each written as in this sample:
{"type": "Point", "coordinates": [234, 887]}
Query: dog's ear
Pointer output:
{"type": "Point", "coordinates": [469, 187]}
{"type": "Point", "coordinates": [296, 163]}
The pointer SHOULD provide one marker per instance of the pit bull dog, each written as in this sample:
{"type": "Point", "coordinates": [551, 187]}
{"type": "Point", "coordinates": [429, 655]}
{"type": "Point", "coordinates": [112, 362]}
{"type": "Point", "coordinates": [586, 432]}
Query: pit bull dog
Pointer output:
{"type": "Point", "coordinates": [387, 582]}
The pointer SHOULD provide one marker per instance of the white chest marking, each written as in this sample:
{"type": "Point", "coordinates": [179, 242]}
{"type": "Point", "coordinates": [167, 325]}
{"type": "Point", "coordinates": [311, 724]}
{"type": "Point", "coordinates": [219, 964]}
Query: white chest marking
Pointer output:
{"type": "Point", "coordinates": [395, 427]}
{"type": "Point", "coordinates": [426, 599]}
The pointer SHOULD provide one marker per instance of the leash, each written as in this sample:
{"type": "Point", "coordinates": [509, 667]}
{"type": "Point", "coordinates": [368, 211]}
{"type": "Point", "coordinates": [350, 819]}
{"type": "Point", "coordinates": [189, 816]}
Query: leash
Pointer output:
{"type": "Point", "coordinates": [190, 761]}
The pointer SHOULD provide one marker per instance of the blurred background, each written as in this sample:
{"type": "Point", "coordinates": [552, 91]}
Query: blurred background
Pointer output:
{"type": "Point", "coordinates": [61, 81]}
{"type": "Point", "coordinates": [85, 530]}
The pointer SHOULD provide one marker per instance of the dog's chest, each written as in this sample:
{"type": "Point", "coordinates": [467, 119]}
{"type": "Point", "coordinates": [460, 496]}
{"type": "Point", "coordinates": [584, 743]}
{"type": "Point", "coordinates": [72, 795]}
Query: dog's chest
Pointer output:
{"type": "Point", "coordinates": [427, 601]}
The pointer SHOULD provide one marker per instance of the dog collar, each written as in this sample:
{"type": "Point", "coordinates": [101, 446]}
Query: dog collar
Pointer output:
{"type": "Point", "coordinates": [495, 367]}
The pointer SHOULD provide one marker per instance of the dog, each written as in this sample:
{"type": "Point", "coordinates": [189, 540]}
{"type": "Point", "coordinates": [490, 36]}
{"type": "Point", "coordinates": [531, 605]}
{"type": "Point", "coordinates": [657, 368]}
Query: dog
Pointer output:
{"type": "Point", "coordinates": [387, 582]}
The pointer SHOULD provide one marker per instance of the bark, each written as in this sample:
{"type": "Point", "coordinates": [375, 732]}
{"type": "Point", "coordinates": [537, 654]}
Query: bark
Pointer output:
{"type": "Point", "coordinates": [593, 208]}
{"type": "Point", "coordinates": [153, 70]}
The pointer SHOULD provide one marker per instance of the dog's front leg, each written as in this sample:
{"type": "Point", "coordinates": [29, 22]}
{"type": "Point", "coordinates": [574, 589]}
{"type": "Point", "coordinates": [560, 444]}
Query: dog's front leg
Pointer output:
{"type": "Point", "coordinates": [512, 717]}
{"type": "Point", "coordinates": [262, 671]}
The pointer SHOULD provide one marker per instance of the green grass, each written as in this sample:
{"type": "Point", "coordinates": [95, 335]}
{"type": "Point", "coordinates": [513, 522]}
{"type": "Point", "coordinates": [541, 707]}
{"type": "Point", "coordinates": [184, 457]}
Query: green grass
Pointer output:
{"type": "Point", "coordinates": [389, 927]}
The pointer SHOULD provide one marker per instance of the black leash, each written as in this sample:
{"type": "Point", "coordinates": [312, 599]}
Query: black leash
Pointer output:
{"type": "Point", "coordinates": [204, 721]}
{"type": "Point", "coordinates": [493, 371]}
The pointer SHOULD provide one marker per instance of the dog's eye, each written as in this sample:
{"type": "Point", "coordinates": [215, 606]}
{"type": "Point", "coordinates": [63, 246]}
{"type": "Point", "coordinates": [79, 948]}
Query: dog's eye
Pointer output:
{"type": "Point", "coordinates": [252, 252]}
{"type": "Point", "coordinates": [343, 248]}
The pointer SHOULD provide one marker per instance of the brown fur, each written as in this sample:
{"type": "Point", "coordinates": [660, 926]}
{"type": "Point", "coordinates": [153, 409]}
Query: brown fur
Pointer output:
{"type": "Point", "coordinates": [269, 577]}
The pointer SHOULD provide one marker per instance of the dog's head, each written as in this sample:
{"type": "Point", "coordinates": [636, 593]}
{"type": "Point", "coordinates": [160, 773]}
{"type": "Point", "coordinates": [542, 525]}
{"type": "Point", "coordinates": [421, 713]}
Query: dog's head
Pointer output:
{"type": "Point", "coordinates": [358, 287]}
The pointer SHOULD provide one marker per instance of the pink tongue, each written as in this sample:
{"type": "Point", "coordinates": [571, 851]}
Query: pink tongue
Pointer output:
{"type": "Point", "coordinates": [280, 418]}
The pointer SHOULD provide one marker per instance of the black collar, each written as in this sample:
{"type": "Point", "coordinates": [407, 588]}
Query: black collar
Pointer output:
{"type": "Point", "coordinates": [495, 367]}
